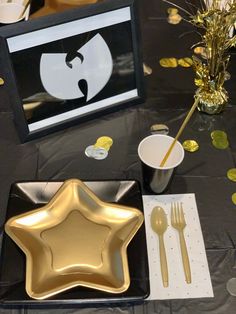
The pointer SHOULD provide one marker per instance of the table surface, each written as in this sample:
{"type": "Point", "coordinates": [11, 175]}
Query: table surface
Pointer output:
{"type": "Point", "coordinates": [169, 97]}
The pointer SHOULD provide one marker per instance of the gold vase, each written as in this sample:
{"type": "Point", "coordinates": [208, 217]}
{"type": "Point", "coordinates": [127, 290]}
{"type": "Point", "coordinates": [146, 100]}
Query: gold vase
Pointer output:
{"type": "Point", "coordinates": [212, 101]}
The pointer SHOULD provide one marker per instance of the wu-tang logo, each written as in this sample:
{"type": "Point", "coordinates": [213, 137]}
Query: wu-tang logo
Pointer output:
{"type": "Point", "coordinates": [60, 73]}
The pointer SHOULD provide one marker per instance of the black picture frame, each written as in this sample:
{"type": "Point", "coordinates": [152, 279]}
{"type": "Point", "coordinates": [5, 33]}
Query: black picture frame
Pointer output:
{"type": "Point", "coordinates": [27, 49]}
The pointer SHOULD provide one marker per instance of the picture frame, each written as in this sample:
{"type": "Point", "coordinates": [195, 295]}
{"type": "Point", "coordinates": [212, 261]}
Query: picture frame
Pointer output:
{"type": "Point", "coordinates": [65, 68]}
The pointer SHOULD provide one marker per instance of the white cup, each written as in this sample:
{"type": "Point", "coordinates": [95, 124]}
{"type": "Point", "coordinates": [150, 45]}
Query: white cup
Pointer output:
{"type": "Point", "coordinates": [11, 12]}
{"type": "Point", "coordinates": [151, 151]}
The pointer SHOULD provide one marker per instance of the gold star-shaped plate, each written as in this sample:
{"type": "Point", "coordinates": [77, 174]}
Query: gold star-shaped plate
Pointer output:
{"type": "Point", "coordinates": [75, 240]}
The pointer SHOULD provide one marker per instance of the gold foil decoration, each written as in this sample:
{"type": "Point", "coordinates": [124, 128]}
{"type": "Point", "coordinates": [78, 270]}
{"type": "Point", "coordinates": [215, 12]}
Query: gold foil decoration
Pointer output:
{"type": "Point", "coordinates": [168, 62]}
{"type": "Point", "coordinates": [231, 174]}
{"type": "Point", "coordinates": [173, 18]}
{"type": "Point", "coordinates": [1, 81]}
{"type": "Point", "coordinates": [214, 20]}
{"type": "Point", "coordinates": [75, 240]}
{"type": "Point", "coordinates": [233, 197]}
{"type": "Point", "coordinates": [219, 139]}
{"type": "Point", "coordinates": [185, 62]}
{"type": "Point", "coordinates": [190, 146]}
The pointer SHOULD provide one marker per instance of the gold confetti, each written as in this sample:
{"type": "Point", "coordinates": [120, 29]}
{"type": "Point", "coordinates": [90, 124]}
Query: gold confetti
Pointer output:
{"type": "Point", "coordinates": [185, 62]}
{"type": "Point", "coordinates": [219, 139]}
{"type": "Point", "coordinates": [231, 174]}
{"type": "Point", "coordinates": [234, 198]}
{"type": "Point", "coordinates": [218, 134]}
{"type": "Point", "coordinates": [200, 51]}
{"type": "Point", "coordinates": [174, 19]}
{"type": "Point", "coordinates": [168, 62]}
{"type": "Point", "coordinates": [1, 81]}
{"type": "Point", "coordinates": [172, 11]}
{"type": "Point", "coordinates": [190, 146]}
{"type": "Point", "coordinates": [104, 142]}
{"type": "Point", "coordinates": [220, 143]}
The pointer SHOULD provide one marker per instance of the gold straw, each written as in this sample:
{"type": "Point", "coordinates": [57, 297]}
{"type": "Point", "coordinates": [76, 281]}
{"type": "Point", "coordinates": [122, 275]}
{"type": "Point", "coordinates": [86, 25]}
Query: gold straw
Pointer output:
{"type": "Point", "coordinates": [25, 8]}
{"type": "Point", "coordinates": [191, 111]}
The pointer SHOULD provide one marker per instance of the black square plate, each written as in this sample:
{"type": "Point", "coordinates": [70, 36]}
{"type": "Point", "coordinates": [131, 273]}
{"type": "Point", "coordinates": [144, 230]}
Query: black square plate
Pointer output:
{"type": "Point", "coordinates": [25, 196]}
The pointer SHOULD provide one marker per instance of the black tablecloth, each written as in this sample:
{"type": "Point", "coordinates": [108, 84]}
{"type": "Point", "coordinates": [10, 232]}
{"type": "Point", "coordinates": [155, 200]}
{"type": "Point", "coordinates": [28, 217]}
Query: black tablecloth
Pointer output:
{"type": "Point", "coordinates": [169, 97]}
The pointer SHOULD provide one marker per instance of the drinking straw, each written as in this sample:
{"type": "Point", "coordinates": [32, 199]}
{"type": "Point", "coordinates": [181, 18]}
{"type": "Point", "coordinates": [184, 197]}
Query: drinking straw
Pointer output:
{"type": "Point", "coordinates": [191, 111]}
{"type": "Point", "coordinates": [25, 8]}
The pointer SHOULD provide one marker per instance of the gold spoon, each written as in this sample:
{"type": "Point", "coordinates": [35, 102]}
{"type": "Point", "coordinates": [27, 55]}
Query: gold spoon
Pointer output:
{"type": "Point", "coordinates": [159, 225]}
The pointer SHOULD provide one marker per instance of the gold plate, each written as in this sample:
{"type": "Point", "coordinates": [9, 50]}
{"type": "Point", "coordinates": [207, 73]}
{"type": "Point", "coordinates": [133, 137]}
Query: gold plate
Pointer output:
{"type": "Point", "coordinates": [75, 240]}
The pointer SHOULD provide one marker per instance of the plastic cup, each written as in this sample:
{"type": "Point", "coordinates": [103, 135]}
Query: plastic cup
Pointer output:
{"type": "Point", "coordinates": [151, 151]}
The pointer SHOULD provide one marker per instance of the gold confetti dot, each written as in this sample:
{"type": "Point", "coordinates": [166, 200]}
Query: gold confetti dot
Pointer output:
{"type": "Point", "coordinates": [231, 174]}
{"type": "Point", "coordinates": [200, 51]}
{"type": "Point", "coordinates": [220, 143]}
{"type": "Point", "coordinates": [218, 134]}
{"type": "Point", "coordinates": [174, 19]}
{"type": "Point", "coordinates": [234, 198]}
{"type": "Point", "coordinates": [219, 139]}
{"type": "Point", "coordinates": [172, 11]}
{"type": "Point", "coordinates": [185, 62]}
{"type": "Point", "coordinates": [1, 81]}
{"type": "Point", "coordinates": [190, 146]}
{"type": "Point", "coordinates": [104, 142]}
{"type": "Point", "coordinates": [168, 62]}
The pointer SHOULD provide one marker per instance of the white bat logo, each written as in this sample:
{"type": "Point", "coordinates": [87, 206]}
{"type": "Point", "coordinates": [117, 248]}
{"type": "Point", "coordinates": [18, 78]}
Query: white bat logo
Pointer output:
{"type": "Point", "coordinates": [93, 63]}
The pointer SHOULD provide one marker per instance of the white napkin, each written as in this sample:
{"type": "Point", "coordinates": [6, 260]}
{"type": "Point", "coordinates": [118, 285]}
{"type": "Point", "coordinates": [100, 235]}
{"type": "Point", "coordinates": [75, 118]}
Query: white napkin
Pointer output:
{"type": "Point", "coordinates": [178, 288]}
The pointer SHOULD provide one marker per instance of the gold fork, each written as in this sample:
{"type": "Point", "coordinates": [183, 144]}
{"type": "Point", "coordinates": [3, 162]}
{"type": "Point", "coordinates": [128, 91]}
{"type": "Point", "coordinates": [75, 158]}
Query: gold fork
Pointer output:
{"type": "Point", "coordinates": [178, 222]}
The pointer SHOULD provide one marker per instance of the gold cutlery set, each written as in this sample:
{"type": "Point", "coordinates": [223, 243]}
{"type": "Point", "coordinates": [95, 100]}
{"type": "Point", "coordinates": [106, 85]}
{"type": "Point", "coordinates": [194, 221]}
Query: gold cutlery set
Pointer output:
{"type": "Point", "coordinates": [159, 225]}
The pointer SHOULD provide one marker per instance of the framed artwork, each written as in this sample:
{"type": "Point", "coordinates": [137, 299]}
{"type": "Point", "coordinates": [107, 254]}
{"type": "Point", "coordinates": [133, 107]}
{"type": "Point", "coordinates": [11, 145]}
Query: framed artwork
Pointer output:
{"type": "Point", "coordinates": [64, 68]}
